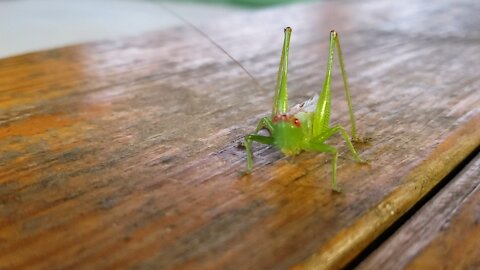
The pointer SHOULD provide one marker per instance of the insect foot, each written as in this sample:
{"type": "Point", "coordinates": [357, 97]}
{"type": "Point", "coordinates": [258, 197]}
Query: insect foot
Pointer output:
{"type": "Point", "coordinates": [337, 189]}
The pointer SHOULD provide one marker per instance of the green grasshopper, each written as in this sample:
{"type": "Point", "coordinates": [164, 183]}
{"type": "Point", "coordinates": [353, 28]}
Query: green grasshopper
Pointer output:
{"type": "Point", "coordinates": [306, 129]}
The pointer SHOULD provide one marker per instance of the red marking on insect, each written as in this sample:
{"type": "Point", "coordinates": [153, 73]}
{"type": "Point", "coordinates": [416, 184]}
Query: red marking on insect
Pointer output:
{"type": "Point", "coordinates": [275, 118]}
{"type": "Point", "coordinates": [286, 118]}
{"type": "Point", "coordinates": [296, 122]}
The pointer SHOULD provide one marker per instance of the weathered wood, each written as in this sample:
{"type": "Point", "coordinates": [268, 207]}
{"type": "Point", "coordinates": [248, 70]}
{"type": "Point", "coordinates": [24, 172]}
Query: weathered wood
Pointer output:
{"type": "Point", "coordinates": [444, 234]}
{"type": "Point", "coordinates": [125, 153]}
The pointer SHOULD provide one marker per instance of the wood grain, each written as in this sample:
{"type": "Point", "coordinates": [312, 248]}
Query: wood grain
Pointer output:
{"type": "Point", "coordinates": [125, 153]}
{"type": "Point", "coordinates": [442, 235]}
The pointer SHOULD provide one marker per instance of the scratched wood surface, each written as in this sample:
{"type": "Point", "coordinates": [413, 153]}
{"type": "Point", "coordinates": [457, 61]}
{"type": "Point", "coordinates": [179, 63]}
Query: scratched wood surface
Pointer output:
{"type": "Point", "coordinates": [125, 153]}
{"type": "Point", "coordinates": [444, 234]}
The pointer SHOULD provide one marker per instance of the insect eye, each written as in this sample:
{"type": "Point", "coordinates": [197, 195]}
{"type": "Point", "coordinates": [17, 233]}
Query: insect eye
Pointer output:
{"type": "Point", "coordinates": [296, 122]}
{"type": "Point", "coordinates": [284, 117]}
{"type": "Point", "coordinates": [275, 118]}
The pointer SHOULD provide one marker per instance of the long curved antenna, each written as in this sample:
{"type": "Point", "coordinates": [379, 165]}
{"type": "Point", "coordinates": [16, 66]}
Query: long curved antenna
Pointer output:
{"type": "Point", "coordinates": [198, 30]}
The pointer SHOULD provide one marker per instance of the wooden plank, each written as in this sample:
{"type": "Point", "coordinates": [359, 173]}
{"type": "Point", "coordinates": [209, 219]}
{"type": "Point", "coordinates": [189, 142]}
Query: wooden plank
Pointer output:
{"type": "Point", "coordinates": [125, 153]}
{"type": "Point", "coordinates": [442, 235]}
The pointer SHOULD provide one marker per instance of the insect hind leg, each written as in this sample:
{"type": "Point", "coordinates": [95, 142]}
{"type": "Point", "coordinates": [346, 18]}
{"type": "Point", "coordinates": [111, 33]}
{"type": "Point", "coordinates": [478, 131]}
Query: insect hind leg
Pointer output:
{"type": "Point", "coordinates": [345, 85]}
{"type": "Point", "coordinates": [322, 112]}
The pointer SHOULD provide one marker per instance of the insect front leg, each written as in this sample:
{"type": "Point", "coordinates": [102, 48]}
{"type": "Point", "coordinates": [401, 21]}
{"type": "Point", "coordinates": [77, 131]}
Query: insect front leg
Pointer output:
{"type": "Point", "coordinates": [265, 122]}
{"type": "Point", "coordinates": [339, 129]}
{"type": "Point", "coordinates": [248, 145]}
{"type": "Point", "coordinates": [325, 148]}
{"type": "Point", "coordinates": [318, 145]}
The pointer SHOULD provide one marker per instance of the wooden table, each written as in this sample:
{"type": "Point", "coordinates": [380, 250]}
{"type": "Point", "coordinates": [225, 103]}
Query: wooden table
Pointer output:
{"type": "Point", "coordinates": [126, 153]}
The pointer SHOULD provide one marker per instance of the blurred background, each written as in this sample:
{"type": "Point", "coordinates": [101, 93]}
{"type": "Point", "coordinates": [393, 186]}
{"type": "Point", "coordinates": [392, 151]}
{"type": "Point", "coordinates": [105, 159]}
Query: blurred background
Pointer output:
{"type": "Point", "coordinates": [32, 25]}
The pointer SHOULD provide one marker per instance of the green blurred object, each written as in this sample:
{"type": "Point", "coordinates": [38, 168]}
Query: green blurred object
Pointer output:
{"type": "Point", "coordinates": [247, 3]}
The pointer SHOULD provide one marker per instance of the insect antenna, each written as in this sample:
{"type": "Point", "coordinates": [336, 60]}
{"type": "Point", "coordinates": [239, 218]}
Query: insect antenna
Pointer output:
{"type": "Point", "coordinates": [198, 30]}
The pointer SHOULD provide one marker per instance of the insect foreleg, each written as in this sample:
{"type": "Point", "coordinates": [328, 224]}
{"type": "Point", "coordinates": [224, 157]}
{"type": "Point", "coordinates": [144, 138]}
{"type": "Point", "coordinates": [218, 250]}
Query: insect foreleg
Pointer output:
{"type": "Point", "coordinates": [265, 122]}
{"type": "Point", "coordinates": [341, 130]}
{"type": "Point", "coordinates": [325, 148]}
{"type": "Point", "coordinates": [318, 145]}
{"type": "Point", "coordinates": [322, 112]}
{"type": "Point", "coordinates": [248, 145]}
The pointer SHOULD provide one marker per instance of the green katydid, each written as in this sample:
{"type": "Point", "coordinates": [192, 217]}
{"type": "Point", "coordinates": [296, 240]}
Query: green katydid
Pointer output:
{"type": "Point", "coordinates": [304, 130]}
